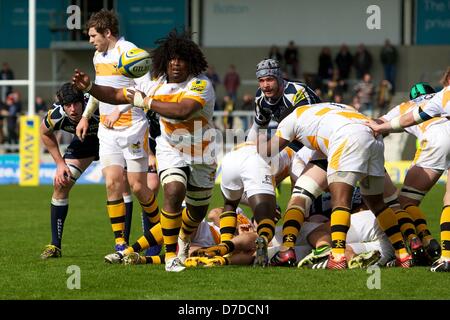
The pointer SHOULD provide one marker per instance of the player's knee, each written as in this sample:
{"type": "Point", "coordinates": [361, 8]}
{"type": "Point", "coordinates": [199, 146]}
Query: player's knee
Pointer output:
{"type": "Point", "coordinates": [139, 188]}
{"type": "Point", "coordinates": [174, 195]}
{"type": "Point", "coordinates": [306, 190]}
{"type": "Point", "coordinates": [113, 185]}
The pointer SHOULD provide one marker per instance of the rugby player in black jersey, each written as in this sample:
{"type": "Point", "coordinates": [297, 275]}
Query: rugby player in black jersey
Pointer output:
{"type": "Point", "coordinates": [65, 115]}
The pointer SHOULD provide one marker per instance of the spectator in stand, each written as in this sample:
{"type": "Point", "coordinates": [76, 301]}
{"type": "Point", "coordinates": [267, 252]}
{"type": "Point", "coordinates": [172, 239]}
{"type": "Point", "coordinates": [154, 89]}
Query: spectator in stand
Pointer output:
{"type": "Point", "coordinates": [384, 97]}
{"type": "Point", "coordinates": [325, 71]}
{"type": "Point", "coordinates": [40, 106]}
{"type": "Point", "coordinates": [338, 98]}
{"type": "Point", "coordinates": [344, 61]}
{"type": "Point", "coordinates": [231, 82]}
{"type": "Point", "coordinates": [356, 103]}
{"type": "Point", "coordinates": [247, 105]}
{"type": "Point", "coordinates": [5, 74]}
{"type": "Point", "coordinates": [213, 76]}
{"type": "Point", "coordinates": [3, 113]}
{"type": "Point", "coordinates": [13, 111]}
{"type": "Point", "coordinates": [335, 87]}
{"type": "Point", "coordinates": [228, 107]}
{"type": "Point", "coordinates": [275, 54]}
{"type": "Point", "coordinates": [215, 80]}
{"type": "Point", "coordinates": [291, 60]}
{"type": "Point", "coordinates": [365, 91]}
{"type": "Point", "coordinates": [362, 61]}
{"type": "Point", "coordinates": [389, 57]}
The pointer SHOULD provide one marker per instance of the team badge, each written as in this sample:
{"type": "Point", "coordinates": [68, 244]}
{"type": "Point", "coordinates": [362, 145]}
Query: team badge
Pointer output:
{"type": "Point", "coordinates": [136, 148]}
{"type": "Point", "coordinates": [198, 86]}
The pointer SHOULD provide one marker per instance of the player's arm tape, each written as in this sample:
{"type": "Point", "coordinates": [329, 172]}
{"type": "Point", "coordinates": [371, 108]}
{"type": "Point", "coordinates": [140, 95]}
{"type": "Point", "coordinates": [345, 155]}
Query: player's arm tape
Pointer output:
{"type": "Point", "coordinates": [139, 100]}
{"type": "Point", "coordinates": [88, 88]}
{"type": "Point", "coordinates": [420, 116]}
{"type": "Point", "coordinates": [91, 106]}
{"type": "Point", "coordinates": [395, 124]}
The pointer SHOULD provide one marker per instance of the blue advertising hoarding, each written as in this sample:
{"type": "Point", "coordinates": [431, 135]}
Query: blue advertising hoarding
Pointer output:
{"type": "Point", "coordinates": [141, 21]}
{"type": "Point", "coordinates": [433, 22]}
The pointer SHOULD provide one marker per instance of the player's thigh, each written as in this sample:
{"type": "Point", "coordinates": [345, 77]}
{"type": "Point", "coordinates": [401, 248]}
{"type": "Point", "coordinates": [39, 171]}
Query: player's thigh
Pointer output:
{"type": "Point", "coordinates": [422, 179]}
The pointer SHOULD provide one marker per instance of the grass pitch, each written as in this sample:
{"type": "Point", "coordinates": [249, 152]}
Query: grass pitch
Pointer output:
{"type": "Point", "coordinates": [25, 229]}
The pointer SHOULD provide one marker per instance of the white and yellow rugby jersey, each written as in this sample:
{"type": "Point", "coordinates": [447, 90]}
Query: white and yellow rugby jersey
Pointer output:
{"type": "Point", "coordinates": [282, 162]}
{"type": "Point", "coordinates": [405, 107]}
{"type": "Point", "coordinates": [187, 134]}
{"type": "Point", "coordinates": [106, 74]}
{"type": "Point", "coordinates": [313, 125]}
{"type": "Point", "coordinates": [439, 105]}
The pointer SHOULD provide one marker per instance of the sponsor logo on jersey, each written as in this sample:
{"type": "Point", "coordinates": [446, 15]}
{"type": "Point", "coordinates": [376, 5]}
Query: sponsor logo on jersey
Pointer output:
{"type": "Point", "coordinates": [136, 148]}
{"type": "Point", "coordinates": [198, 86]}
{"type": "Point", "coordinates": [299, 96]}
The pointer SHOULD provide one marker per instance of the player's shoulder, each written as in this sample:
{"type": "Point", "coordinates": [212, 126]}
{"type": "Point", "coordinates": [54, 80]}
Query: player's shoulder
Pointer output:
{"type": "Point", "coordinates": [57, 111]}
{"type": "Point", "coordinates": [124, 45]}
{"type": "Point", "coordinates": [55, 117]}
{"type": "Point", "coordinates": [292, 86]}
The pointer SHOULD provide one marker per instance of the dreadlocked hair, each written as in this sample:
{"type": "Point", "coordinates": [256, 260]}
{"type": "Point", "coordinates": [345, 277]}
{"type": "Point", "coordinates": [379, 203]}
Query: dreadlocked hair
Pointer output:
{"type": "Point", "coordinates": [176, 45]}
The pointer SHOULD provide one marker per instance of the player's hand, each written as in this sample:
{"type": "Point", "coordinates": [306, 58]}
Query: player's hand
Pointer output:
{"type": "Point", "coordinates": [62, 176]}
{"type": "Point", "coordinates": [112, 118]}
{"type": "Point", "coordinates": [82, 128]}
{"type": "Point", "coordinates": [136, 97]}
{"type": "Point", "coordinates": [383, 128]}
{"type": "Point", "coordinates": [245, 228]}
{"type": "Point", "coordinates": [81, 80]}
{"type": "Point", "coordinates": [130, 95]}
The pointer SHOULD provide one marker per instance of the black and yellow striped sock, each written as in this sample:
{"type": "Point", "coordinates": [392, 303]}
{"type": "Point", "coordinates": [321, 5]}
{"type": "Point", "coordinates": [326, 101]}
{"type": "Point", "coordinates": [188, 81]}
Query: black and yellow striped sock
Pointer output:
{"type": "Point", "coordinates": [293, 220]}
{"type": "Point", "coordinates": [116, 212]}
{"type": "Point", "coordinates": [228, 223]}
{"type": "Point", "coordinates": [190, 221]}
{"type": "Point", "coordinates": [153, 259]}
{"type": "Point", "coordinates": [150, 210]}
{"type": "Point", "coordinates": [223, 248]}
{"type": "Point", "coordinates": [339, 223]}
{"type": "Point", "coordinates": [388, 223]}
{"type": "Point", "coordinates": [152, 237]}
{"type": "Point", "coordinates": [170, 226]}
{"type": "Point", "coordinates": [218, 260]}
{"type": "Point", "coordinates": [266, 229]}
{"type": "Point", "coordinates": [445, 232]}
{"type": "Point", "coordinates": [406, 224]}
{"type": "Point", "coordinates": [420, 223]}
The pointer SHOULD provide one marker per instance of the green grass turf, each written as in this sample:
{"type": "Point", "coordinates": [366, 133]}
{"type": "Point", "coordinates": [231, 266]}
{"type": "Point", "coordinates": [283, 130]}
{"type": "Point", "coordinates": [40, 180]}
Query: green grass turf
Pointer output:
{"type": "Point", "coordinates": [25, 229]}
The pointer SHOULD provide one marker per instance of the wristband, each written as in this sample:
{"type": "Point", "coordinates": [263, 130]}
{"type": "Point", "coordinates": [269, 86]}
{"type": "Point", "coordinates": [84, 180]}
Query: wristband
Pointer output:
{"type": "Point", "coordinates": [89, 87]}
{"type": "Point", "coordinates": [148, 102]}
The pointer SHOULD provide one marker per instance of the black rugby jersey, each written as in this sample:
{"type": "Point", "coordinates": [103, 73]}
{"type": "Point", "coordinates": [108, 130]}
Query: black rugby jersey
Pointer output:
{"type": "Point", "coordinates": [57, 119]}
{"type": "Point", "coordinates": [295, 94]}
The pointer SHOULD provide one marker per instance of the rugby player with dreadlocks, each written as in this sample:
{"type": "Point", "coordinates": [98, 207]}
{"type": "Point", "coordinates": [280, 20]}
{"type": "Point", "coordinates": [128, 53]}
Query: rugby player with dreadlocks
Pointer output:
{"type": "Point", "coordinates": [184, 98]}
